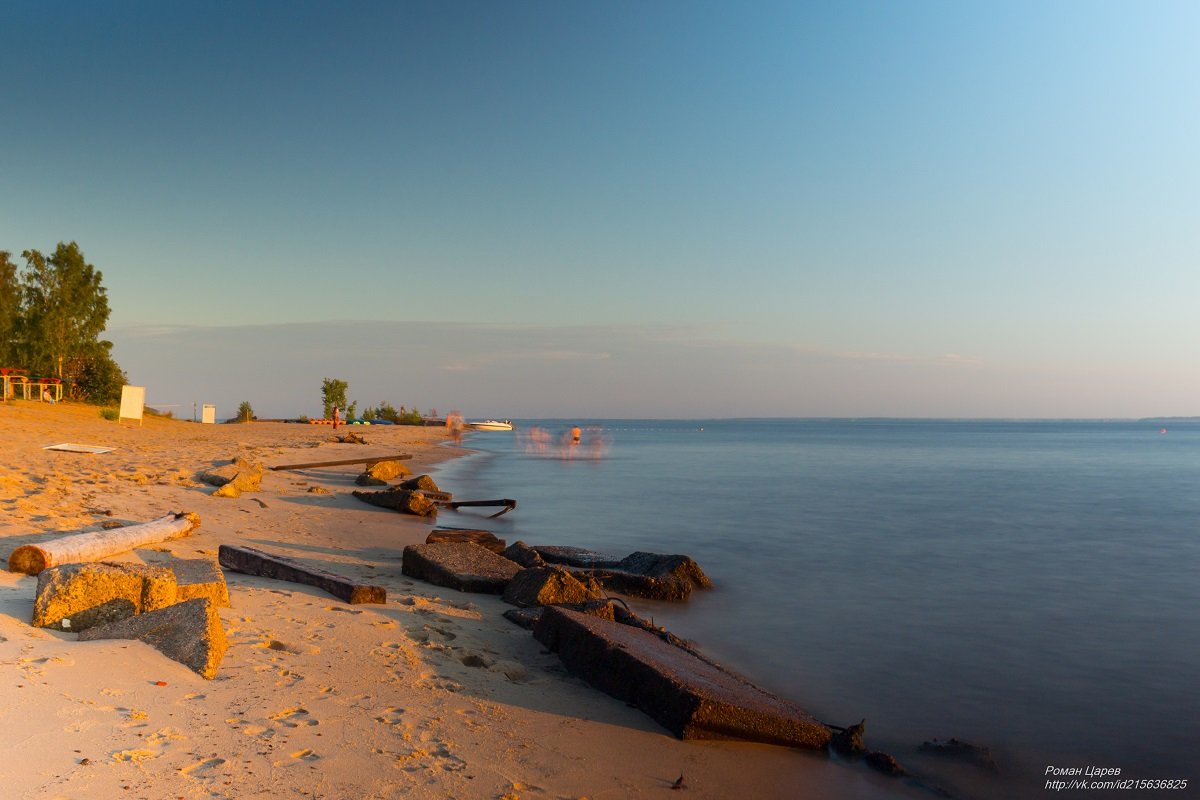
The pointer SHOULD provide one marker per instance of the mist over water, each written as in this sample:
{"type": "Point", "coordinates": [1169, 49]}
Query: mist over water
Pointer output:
{"type": "Point", "coordinates": [1027, 586]}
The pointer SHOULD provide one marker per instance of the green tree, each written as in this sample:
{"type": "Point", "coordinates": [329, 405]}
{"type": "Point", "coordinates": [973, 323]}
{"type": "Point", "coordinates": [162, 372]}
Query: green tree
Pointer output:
{"type": "Point", "coordinates": [10, 309]}
{"type": "Point", "coordinates": [65, 310]}
{"type": "Point", "coordinates": [333, 393]}
{"type": "Point", "coordinates": [96, 378]}
{"type": "Point", "coordinates": [245, 412]}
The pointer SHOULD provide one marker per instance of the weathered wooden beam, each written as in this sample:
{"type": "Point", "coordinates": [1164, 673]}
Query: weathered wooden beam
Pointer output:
{"type": "Point", "coordinates": [252, 561]}
{"type": "Point", "coordinates": [344, 462]}
{"type": "Point", "coordinates": [33, 558]}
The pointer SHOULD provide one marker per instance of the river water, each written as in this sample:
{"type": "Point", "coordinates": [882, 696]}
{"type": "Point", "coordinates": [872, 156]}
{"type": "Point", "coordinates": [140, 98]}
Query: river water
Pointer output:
{"type": "Point", "coordinates": [1032, 587]}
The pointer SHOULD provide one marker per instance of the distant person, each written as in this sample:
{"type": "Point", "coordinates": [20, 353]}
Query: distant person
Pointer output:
{"type": "Point", "coordinates": [576, 435]}
{"type": "Point", "coordinates": [455, 424]}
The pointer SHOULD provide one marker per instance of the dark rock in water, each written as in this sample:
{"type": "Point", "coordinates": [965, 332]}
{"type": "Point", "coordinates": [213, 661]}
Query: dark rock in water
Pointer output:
{"type": "Point", "coordinates": [885, 763]}
{"type": "Point", "coordinates": [485, 539]}
{"type": "Point", "coordinates": [650, 575]}
{"type": "Point", "coordinates": [523, 554]}
{"type": "Point", "coordinates": [654, 565]}
{"type": "Point", "coordinates": [575, 557]}
{"type": "Point", "coordinates": [654, 576]}
{"type": "Point", "coordinates": [400, 500]}
{"type": "Point", "coordinates": [547, 586]}
{"type": "Point", "coordinates": [421, 483]}
{"type": "Point", "coordinates": [849, 741]}
{"type": "Point", "coordinates": [962, 751]}
{"type": "Point", "coordinates": [466, 567]}
{"type": "Point", "coordinates": [690, 697]}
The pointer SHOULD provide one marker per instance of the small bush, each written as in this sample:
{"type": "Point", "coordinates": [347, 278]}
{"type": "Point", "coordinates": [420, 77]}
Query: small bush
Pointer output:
{"type": "Point", "coordinates": [245, 412]}
{"type": "Point", "coordinates": [110, 414]}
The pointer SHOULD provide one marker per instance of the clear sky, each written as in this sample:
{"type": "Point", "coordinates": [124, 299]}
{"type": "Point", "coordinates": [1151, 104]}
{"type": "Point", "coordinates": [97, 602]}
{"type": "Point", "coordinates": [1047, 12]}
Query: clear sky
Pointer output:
{"type": "Point", "coordinates": [624, 208]}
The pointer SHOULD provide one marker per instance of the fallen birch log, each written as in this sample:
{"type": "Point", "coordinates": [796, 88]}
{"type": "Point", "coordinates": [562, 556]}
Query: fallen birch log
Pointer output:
{"type": "Point", "coordinates": [343, 462]}
{"type": "Point", "coordinates": [33, 558]}
{"type": "Point", "coordinates": [252, 561]}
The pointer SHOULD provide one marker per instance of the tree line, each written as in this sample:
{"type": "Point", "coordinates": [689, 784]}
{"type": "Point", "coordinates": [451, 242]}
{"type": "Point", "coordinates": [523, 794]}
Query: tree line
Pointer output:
{"type": "Point", "coordinates": [333, 395]}
{"type": "Point", "coordinates": [52, 314]}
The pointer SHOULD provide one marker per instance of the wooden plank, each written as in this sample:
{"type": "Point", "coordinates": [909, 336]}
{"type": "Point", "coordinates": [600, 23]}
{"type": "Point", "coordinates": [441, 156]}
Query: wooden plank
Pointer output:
{"type": "Point", "coordinates": [33, 558]}
{"type": "Point", "coordinates": [344, 462]}
{"type": "Point", "coordinates": [253, 561]}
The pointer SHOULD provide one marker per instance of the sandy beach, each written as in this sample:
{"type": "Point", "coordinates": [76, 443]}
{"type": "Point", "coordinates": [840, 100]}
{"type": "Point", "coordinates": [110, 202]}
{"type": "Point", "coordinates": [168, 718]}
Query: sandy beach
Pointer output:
{"type": "Point", "coordinates": [432, 695]}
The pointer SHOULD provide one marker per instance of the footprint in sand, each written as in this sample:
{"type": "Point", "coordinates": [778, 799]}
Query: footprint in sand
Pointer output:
{"type": "Point", "coordinates": [392, 717]}
{"type": "Point", "coordinates": [201, 767]}
{"type": "Point", "coordinates": [164, 736]}
{"type": "Point", "coordinates": [434, 756]}
{"type": "Point", "coordinates": [133, 756]}
{"type": "Point", "coordinates": [287, 678]}
{"type": "Point", "coordinates": [430, 633]}
{"type": "Point", "coordinates": [293, 717]}
{"type": "Point", "coordinates": [475, 660]}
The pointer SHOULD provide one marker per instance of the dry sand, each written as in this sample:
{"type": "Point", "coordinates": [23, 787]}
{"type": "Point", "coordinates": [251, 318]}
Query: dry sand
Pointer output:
{"type": "Point", "coordinates": [432, 695]}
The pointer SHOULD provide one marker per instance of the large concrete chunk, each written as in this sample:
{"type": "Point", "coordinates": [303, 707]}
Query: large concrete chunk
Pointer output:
{"type": "Point", "coordinates": [189, 632]}
{"type": "Point", "coordinates": [199, 577]}
{"type": "Point", "coordinates": [483, 538]}
{"type": "Point", "coordinates": [466, 567]}
{"type": "Point", "coordinates": [690, 697]}
{"type": "Point", "coordinates": [76, 597]}
{"type": "Point", "coordinates": [242, 475]}
{"type": "Point", "coordinates": [548, 586]}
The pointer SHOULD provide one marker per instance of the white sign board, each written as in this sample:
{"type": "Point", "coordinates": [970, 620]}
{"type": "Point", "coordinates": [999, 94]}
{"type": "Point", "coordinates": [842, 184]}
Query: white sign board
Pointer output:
{"type": "Point", "coordinates": [208, 415]}
{"type": "Point", "coordinates": [133, 400]}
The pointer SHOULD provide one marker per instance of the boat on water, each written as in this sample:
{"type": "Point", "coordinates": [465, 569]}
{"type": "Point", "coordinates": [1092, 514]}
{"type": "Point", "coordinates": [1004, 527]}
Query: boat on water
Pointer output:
{"type": "Point", "coordinates": [490, 425]}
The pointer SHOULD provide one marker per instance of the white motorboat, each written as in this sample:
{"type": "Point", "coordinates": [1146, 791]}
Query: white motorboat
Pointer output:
{"type": "Point", "coordinates": [490, 425]}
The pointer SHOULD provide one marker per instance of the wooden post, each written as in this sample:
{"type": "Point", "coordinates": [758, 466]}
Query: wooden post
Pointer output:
{"type": "Point", "coordinates": [33, 558]}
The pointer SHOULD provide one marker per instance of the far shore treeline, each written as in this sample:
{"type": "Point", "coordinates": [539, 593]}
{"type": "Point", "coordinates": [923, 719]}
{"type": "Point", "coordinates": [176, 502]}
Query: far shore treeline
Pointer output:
{"type": "Point", "coordinates": [51, 316]}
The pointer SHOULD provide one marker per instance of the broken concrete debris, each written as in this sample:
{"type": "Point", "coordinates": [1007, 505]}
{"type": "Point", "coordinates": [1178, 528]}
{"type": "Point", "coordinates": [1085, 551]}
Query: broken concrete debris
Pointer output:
{"type": "Point", "coordinates": [466, 567]}
{"type": "Point", "coordinates": [189, 632]}
{"type": "Point", "coordinates": [75, 597]}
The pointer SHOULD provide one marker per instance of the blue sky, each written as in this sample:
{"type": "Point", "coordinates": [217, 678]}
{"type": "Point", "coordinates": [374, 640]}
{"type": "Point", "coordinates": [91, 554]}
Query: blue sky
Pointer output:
{"type": "Point", "coordinates": [624, 209]}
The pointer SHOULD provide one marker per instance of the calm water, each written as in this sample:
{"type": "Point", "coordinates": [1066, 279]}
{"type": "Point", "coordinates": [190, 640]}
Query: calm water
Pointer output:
{"type": "Point", "coordinates": [1029, 586]}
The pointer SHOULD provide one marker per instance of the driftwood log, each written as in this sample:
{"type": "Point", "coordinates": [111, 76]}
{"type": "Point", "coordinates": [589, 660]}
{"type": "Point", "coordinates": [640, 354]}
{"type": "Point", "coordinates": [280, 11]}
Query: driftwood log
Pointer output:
{"type": "Point", "coordinates": [343, 462]}
{"type": "Point", "coordinates": [252, 561]}
{"type": "Point", "coordinates": [33, 558]}
{"type": "Point", "coordinates": [508, 505]}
